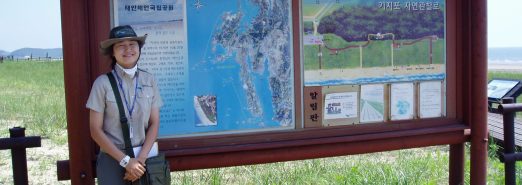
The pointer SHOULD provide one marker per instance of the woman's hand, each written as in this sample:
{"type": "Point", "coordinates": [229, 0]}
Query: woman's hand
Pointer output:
{"type": "Point", "coordinates": [129, 177]}
{"type": "Point", "coordinates": [134, 170]}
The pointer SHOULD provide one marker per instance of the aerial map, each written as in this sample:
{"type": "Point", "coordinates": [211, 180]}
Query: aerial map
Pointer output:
{"type": "Point", "coordinates": [373, 41]}
{"type": "Point", "coordinates": [223, 66]}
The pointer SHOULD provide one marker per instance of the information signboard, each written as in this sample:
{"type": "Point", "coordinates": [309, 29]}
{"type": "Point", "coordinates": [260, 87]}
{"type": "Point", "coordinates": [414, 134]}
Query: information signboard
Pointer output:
{"type": "Point", "coordinates": [201, 54]}
{"type": "Point", "coordinates": [498, 88]}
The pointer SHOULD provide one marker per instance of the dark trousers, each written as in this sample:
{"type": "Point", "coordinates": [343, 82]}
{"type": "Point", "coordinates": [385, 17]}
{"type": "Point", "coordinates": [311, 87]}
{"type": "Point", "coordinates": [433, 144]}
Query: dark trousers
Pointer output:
{"type": "Point", "coordinates": [109, 171]}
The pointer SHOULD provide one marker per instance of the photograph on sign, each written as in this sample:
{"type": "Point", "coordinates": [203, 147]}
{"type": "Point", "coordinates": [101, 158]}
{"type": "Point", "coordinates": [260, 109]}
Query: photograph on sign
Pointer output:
{"type": "Point", "coordinates": [206, 110]}
{"type": "Point", "coordinates": [373, 41]}
{"type": "Point", "coordinates": [402, 102]}
{"type": "Point", "coordinates": [340, 105]}
{"type": "Point", "coordinates": [499, 88]}
{"type": "Point", "coordinates": [372, 103]}
{"type": "Point", "coordinates": [221, 67]}
{"type": "Point", "coordinates": [430, 99]}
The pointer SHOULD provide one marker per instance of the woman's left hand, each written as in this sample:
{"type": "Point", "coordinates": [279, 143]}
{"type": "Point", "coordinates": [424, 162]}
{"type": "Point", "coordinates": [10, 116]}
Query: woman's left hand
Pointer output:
{"type": "Point", "coordinates": [130, 177]}
{"type": "Point", "coordinates": [134, 169]}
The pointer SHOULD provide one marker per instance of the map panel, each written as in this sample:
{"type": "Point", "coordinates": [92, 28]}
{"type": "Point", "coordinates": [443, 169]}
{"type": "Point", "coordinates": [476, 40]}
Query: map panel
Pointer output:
{"type": "Point", "coordinates": [222, 66]}
{"type": "Point", "coordinates": [373, 41]}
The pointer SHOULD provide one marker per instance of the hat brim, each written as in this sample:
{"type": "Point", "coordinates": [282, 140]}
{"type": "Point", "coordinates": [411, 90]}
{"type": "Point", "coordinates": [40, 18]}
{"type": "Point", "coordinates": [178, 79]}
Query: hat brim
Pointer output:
{"type": "Point", "coordinates": [107, 44]}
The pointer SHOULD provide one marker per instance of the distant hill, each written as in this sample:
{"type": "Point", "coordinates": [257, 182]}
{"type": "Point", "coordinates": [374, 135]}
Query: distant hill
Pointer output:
{"type": "Point", "coordinates": [503, 54]}
{"type": "Point", "coordinates": [37, 52]}
{"type": "Point", "coordinates": [3, 53]}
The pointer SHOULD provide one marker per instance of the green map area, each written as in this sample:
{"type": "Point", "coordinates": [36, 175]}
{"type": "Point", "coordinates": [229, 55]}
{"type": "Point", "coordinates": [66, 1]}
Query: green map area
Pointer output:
{"type": "Point", "coordinates": [373, 41]}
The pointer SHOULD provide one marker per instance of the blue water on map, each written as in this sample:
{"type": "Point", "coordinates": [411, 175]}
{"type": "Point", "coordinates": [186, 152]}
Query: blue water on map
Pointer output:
{"type": "Point", "coordinates": [210, 76]}
{"type": "Point", "coordinates": [385, 79]}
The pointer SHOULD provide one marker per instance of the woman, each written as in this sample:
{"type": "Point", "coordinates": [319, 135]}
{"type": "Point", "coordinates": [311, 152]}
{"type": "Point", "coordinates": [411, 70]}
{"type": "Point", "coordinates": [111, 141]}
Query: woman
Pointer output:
{"type": "Point", "coordinates": [141, 101]}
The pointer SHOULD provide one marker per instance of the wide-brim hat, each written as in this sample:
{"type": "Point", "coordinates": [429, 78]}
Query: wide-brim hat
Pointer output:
{"type": "Point", "coordinates": [118, 34]}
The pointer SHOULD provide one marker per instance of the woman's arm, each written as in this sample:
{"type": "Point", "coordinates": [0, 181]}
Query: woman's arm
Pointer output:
{"type": "Point", "coordinates": [97, 134]}
{"type": "Point", "coordinates": [151, 135]}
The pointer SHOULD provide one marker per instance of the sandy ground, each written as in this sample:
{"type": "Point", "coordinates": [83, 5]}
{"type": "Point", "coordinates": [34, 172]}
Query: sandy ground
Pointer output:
{"type": "Point", "coordinates": [330, 74]}
{"type": "Point", "coordinates": [506, 67]}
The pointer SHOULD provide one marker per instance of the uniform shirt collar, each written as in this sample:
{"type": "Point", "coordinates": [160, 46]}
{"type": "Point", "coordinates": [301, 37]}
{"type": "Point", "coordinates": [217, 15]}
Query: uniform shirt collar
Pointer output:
{"type": "Point", "coordinates": [127, 72]}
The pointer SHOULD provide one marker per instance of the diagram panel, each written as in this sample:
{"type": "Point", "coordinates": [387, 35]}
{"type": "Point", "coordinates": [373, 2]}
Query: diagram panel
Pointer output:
{"type": "Point", "coordinates": [373, 41]}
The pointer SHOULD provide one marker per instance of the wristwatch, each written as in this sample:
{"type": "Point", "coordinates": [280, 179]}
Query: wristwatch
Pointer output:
{"type": "Point", "coordinates": [124, 161]}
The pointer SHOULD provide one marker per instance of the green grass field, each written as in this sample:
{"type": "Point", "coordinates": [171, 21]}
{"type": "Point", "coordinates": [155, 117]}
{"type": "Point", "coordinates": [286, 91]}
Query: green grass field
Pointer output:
{"type": "Point", "coordinates": [420, 51]}
{"type": "Point", "coordinates": [32, 95]}
{"type": "Point", "coordinates": [414, 166]}
{"type": "Point", "coordinates": [376, 54]}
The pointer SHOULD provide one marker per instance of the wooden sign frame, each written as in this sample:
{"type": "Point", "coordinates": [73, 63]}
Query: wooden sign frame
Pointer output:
{"type": "Point", "coordinates": [86, 22]}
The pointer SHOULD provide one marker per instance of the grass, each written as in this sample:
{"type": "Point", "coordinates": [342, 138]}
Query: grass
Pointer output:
{"type": "Point", "coordinates": [345, 59]}
{"type": "Point", "coordinates": [402, 55]}
{"type": "Point", "coordinates": [413, 166]}
{"type": "Point", "coordinates": [32, 96]}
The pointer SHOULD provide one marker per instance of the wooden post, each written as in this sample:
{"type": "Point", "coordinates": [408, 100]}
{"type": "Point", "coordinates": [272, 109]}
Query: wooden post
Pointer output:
{"type": "Point", "coordinates": [19, 158]}
{"type": "Point", "coordinates": [478, 79]}
{"type": "Point", "coordinates": [509, 143]}
{"type": "Point", "coordinates": [18, 143]}
{"type": "Point", "coordinates": [84, 24]}
{"type": "Point", "coordinates": [456, 167]}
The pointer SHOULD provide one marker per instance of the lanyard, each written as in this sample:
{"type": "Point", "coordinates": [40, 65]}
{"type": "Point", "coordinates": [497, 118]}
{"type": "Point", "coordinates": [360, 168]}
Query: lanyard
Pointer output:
{"type": "Point", "coordinates": [130, 109]}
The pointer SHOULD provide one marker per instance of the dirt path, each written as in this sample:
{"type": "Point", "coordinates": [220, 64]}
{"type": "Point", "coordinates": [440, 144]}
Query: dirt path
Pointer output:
{"type": "Point", "coordinates": [371, 72]}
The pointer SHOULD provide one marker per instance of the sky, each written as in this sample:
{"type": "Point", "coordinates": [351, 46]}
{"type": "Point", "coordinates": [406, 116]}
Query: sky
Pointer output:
{"type": "Point", "coordinates": [30, 23]}
{"type": "Point", "coordinates": [36, 24]}
{"type": "Point", "coordinates": [504, 23]}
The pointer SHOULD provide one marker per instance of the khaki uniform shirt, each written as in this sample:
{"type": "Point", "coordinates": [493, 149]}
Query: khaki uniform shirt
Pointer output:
{"type": "Point", "coordinates": [102, 100]}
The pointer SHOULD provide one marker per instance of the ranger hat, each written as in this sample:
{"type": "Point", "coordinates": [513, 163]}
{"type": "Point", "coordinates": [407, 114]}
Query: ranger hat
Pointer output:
{"type": "Point", "coordinates": [118, 34]}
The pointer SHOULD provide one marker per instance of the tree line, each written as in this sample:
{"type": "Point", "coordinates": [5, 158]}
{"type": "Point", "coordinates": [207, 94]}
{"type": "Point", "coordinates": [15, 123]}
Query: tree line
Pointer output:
{"type": "Point", "coordinates": [355, 23]}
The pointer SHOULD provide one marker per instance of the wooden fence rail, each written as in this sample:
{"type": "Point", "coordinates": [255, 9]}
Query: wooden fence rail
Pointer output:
{"type": "Point", "coordinates": [508, 108]}
{"type": "Point", "coordinates": [18, 143]}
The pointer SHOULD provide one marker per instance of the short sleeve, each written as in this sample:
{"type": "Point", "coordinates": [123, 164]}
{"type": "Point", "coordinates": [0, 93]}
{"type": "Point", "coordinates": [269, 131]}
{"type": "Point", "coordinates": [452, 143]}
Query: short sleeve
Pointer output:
{"type": "Point", "coordinates": [96, 99]}
{"type": "Point", "coordinates": [156, 100]}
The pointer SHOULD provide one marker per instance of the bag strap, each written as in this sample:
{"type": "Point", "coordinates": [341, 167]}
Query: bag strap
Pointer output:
{"type": "Point", "coordinates": [123, 118]}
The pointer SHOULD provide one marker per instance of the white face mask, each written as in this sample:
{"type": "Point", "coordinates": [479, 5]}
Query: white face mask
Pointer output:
{"type": "Point", "coordinates": [131, 72]}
